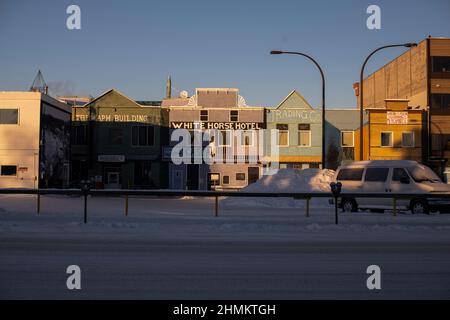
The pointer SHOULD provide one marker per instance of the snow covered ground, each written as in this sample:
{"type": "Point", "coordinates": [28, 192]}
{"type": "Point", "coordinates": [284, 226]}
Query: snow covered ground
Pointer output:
{"type": "Point", "coordinates": [170, 248]}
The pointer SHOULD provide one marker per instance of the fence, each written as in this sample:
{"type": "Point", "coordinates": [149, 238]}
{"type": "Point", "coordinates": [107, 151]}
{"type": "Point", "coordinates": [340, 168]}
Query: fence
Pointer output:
{"type": "Point", "coordinates": [217, 194]}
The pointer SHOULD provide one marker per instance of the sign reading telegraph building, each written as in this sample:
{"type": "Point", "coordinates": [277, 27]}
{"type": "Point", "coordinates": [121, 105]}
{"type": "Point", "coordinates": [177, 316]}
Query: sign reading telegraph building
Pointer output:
{"type": "Point", "coordinates": [143, 118]}
{"type": "Point", "coordinates": [217, 125]}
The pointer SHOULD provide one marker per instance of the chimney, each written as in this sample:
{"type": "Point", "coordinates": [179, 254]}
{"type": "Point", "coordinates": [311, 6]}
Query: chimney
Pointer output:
{"type": "Point", "coordinates": [169, 88]}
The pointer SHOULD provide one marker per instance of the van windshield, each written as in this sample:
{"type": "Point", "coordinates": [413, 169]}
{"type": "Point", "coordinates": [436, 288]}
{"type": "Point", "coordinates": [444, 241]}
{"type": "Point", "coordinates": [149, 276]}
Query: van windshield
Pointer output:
{"type": "Point", "coordinates": [423, 174]}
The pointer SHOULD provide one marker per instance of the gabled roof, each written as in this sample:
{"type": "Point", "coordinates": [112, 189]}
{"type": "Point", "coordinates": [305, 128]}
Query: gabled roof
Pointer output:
{"type": "Point", "coordinates": [294, 100]}
{"type": "Point", "coordinates": [109, 92]}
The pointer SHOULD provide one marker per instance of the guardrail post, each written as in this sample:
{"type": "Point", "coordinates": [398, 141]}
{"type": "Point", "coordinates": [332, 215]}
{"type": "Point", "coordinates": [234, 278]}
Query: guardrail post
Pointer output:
{"type": "Point", "coordinates": [307, 207]}
{"type": "Point", "coordinates": [217, 206]}
{"type": "Point", "coordinates": [38, 203]}
{"type": "Point", "coordinates": [126, 205]}
{"type": "Point", "coordinates": [394, 203]}
{"type": "Point", "coordinates": [85, 188]}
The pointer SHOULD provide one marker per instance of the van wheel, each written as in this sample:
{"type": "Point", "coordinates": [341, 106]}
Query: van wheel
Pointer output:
{"type": "Point", "coordinates": [349, 205]}
{"type": "Point", "coordinates": [419, 207]}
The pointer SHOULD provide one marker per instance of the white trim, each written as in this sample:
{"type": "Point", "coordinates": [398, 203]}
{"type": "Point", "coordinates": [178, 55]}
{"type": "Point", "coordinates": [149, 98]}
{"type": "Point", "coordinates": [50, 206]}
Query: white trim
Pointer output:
{"type": "Point", "coordinates": [298, 142]}
{"type": "Point", "coordinates": [229, 136]}
{"type": "Point", "coordinates": [413, 139]}
{"type": "Point", "coordinates": [391, 144]}
{"type": "Point", "coordinates": [353, 139]}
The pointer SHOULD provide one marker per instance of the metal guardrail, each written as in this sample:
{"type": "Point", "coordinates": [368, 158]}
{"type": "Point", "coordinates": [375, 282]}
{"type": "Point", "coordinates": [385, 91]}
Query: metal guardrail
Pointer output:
{"type": "Point", "coordinates": [217, 194]}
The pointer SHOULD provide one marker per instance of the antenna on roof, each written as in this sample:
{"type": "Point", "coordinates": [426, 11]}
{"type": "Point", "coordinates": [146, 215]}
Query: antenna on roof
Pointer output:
{"type": "Point", "coordinates": [39, 84]}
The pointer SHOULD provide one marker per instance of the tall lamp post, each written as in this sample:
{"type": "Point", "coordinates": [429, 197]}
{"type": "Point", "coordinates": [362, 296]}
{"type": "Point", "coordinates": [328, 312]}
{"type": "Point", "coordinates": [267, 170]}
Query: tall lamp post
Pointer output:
{"type": "Point", "coordinates": [323, 96]}
{"type": "Point", "coordinates": [361, 93]}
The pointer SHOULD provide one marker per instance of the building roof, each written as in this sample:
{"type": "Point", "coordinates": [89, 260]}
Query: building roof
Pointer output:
{"type": "Point", "coordinates": [294, 100]}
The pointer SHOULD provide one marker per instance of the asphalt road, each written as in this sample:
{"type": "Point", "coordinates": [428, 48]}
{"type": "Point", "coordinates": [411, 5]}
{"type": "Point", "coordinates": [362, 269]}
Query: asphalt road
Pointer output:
{"type": "Point", "coordinates": [32, 268]}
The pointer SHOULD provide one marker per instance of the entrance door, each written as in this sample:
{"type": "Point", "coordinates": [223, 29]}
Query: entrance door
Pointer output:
{"type": "Point", "coordinates": [112, 180]}
{"type": "Point", "coordinates": [192, 176]}
{"type": "Point", "coordinates": [253, 174]}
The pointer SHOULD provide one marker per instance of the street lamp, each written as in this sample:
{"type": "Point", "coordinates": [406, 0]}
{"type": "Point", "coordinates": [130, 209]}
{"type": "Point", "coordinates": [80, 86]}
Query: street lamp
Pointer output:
{"type": "Point", "coordinates": [323, 95]}
{"type": "Point", "coordinates": [361, 93]}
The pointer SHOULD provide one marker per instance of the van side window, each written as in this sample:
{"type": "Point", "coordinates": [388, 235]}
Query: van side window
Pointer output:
{"type": "Point", "coordinates": [398, 174]}
{"type": "Point", "coordinates": [350, 174]}
{"type": "Point", "coordinates": [377, 174]}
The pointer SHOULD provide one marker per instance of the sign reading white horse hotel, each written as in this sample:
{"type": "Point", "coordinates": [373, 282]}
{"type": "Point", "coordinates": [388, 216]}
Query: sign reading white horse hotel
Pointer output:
{"type": "Point", "coordinates": [217, 125]}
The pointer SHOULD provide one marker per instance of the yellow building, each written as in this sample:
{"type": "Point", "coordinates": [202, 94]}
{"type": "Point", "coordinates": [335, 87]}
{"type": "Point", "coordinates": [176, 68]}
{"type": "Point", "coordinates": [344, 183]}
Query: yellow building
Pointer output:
{"type": "Point", "coordinates": [396, 131]}
{"type": "Point", "coordinates": [34, 141]}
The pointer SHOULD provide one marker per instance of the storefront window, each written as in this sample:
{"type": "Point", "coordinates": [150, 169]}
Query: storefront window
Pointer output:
{"type": "Point", "coordinates": [8, 170]}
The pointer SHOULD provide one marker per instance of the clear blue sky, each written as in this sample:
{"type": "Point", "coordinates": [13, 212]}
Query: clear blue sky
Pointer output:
{"type": "Point", "coordinates": [134, 45]}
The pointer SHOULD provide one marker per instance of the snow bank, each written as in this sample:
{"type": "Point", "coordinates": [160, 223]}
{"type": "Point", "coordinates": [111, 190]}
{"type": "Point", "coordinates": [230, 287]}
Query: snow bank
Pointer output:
{"type": "Point", "coordinates": [286, 180]}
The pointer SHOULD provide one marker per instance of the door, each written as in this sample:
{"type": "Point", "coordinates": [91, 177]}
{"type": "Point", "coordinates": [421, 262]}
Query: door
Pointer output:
{"type": "Point", "coordinates": [253, 174]}
{"type": "Point", "coordinates": [177, 180]}
{"type": "Point", "coordinates": [112, 180]}
{"type": "Point", "coordinates": [375, 181]}
{"type": "Point", "coordinates": [192, 176]}
{"type": "Point", "coordinates": [401, 182]}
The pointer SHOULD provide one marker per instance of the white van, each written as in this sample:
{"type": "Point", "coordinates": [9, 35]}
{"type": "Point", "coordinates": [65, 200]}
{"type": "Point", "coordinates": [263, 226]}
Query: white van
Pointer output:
{"type": "Point", "coordinates": [391, 176]}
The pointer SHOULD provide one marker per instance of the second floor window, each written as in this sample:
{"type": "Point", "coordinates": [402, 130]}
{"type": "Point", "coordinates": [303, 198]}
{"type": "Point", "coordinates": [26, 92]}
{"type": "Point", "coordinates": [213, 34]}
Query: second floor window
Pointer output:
{"type": "Point", "coordinates": [408, 139]}
{"type": "Point", "coordinates": [283, 135]}
{"type": "Point", "coordinates": [204, 115]}
{"type": "Point", "coordinates": [79, 134]}
{"type": "Point", "coordinates": [304, 135]}
{"type": "Point", "coordinates": [234, 116]}
{"type": "Point", "coordinates": [116, 136]}
{"type": "Point", "coordinates": [9, 116]}
{"type": "Point", "coordinates": [386, 139]}
{"type": "Point", "coordinates": [143, 136]}
{"type": "Point", "coordinates": [347, 139]}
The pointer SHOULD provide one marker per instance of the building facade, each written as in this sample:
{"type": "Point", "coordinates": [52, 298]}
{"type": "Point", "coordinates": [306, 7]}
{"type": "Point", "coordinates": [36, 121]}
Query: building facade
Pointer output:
{"type": "Point", "coordinates": [421, 75]}
{"type": "Point", "coordinates": [230, 130]}
{"type": "Point", "coordinates": [35, 141]}
{"type": "Point", "coordinates": [342, 136]}
{"type": "Point", "coordinates": [117, 142]}
{"type": "Point", "coordinates": [396, 132]}
{"type": "Point", "coordinates": [298, 136]}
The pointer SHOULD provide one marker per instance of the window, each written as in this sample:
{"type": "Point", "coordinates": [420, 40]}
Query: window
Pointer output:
{"type": "Point", "coordinates": [386, 139]}
{"type": "Point", "coordinates": [247, 138]}
{"type": "Point", "coordinates": [9, 116]}
{"type": "Point", "coordinates": [214, 179]}
{"type": "Point", "coordinates": [234, 116]}
{"type": "Point", "coordinates": [350, 174]}
{"type": "Point", "coordinates": [283, 135]}
{"type": "Point", "coordinates": [116, 136]}
{"type": "Point", "coordinates": [240, 176]}
{"type": "Point", "coordinates": [226, 180]}
{"type": "Point", "coordinates": [304, 135]}
{"type": "Point", "coordinates": [347, 139]}
{"type": "Point", "coordinates": [408, 139]}
{"type": "Point", "coordinates": [143, 136]}
{"type": "Point", "coordinates": [8, 170]}
{"type": "Point", "coordinates": [225, 138]}
{"type": "Point", "coordinates": [398, 174]}
{"type": "Point", "coordinates": [204, 115]}
{"type": "Point", "coordinates": [440, 102]}
{"type": "Point", "coordinates": [377, 174]}
{"type": "Point", "coordinates": [440, 64]}
{"type": "Point", "coordinates": [79, 134]}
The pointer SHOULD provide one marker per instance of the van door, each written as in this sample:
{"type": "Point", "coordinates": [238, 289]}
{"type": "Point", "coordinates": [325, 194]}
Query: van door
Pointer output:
{"type": "Point", "coordinates": [375, 181]}
{"type": "Point", "coordinates": [401, 182]}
